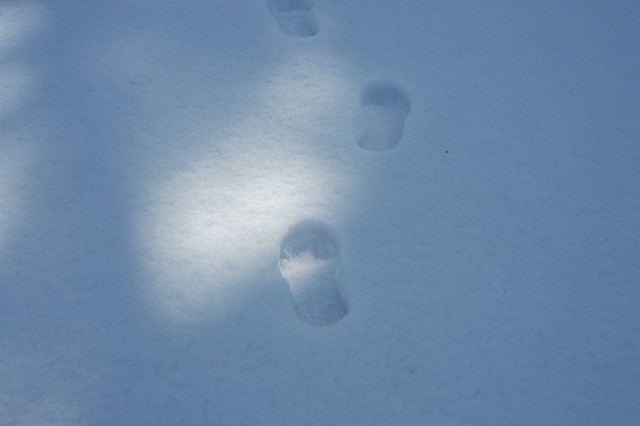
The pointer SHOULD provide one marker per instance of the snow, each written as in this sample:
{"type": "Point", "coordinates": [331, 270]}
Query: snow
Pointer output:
{"type": "Point", "coordinates": [329, 212]}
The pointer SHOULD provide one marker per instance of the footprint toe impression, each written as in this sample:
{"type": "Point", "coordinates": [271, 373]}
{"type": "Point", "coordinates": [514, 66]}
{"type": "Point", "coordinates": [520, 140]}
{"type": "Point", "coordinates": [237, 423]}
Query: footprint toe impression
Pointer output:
{"type": "Point", "coordinates": [295, 18]}
{"type": "Point", "coordinates": [385, 107]}
{"type": "Point", "coordinates": [309, 259]}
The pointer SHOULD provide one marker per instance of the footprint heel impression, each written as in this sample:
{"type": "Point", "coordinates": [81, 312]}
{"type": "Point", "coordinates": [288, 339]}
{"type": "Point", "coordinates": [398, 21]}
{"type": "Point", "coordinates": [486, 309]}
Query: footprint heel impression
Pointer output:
{"type": "Point", "coordinates": [295, 18]}
{"type": "Point", "coordinates": [384, 109]}
{"type": "Point", "coordinates": [309, 261]}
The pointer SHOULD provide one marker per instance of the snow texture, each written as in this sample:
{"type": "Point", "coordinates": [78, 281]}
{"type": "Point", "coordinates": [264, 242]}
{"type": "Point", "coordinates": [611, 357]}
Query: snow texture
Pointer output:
{"type": "Point", "coordinates": [331, 213]}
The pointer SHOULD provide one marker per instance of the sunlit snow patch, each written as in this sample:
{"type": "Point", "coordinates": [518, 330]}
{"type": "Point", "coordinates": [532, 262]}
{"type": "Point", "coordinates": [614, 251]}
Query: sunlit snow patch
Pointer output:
{"type": "Point", "coordinates": [210, 230]}
{"type": "Point", "coordinates": [210, 234]}
{"type": "Point", "coordinates": [18, 22]}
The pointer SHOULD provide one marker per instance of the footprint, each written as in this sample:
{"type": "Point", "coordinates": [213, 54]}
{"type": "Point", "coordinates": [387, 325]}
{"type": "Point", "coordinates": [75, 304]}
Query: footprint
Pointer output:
{"type": "Point", "coordinates": [309, 260]}
{"type": "Point", "coordinates": [296, 18]}
{"type": "Point", "coordinates": [385, 106]}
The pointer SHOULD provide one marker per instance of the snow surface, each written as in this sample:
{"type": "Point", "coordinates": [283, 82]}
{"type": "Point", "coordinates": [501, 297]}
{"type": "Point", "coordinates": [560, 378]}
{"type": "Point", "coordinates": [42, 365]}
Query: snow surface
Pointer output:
{"type": "Point", "coordinates": [476, 165]}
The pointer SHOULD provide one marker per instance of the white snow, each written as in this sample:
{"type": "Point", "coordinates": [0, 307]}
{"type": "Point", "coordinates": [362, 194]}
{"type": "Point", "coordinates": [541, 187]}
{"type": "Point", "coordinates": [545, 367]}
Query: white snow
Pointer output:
{"type": "Point", "coordinates": [328, 212]}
